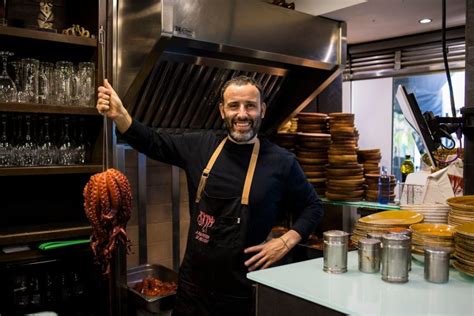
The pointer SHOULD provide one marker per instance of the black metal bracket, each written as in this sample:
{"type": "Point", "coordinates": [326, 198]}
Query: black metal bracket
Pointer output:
{"type": "Point", "coordinates": [468, 122]}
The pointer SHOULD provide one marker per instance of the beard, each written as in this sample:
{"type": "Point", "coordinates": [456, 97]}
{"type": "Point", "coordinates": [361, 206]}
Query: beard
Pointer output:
{"type": "Point", "coordinates": [242, 136]}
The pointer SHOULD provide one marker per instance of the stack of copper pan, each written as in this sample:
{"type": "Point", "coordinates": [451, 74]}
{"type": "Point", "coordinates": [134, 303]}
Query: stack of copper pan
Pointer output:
{"type": "Point", "coordinates": [312, 154]}
{"type": "Point", "coordinates": [378, 186]}
{"type": "Point", "coordinates": [345, 176]}
{"type": "Point", "coordinates": [370, 158]}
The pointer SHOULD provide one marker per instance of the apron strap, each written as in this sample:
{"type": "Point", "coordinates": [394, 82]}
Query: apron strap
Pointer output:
{"type": "Point", "coordinates": [250, 173]}
{"type": "Point", "coordinates": [248, 178]}
{"type": "Point", "coordinates": [207, 170]}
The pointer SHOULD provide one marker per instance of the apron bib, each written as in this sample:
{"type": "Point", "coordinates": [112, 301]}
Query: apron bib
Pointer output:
{"type": "Point", "coordinates": [213, 275]}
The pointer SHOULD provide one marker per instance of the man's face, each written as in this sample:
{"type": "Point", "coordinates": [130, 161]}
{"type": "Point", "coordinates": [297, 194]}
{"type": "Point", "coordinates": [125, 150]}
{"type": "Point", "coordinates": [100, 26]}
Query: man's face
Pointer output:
{"type": "Point", "coordinates": [242, 112]}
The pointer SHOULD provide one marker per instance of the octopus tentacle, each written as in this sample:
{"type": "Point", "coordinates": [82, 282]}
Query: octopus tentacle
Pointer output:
{"type": "Point", "coordinates": [108, 206]}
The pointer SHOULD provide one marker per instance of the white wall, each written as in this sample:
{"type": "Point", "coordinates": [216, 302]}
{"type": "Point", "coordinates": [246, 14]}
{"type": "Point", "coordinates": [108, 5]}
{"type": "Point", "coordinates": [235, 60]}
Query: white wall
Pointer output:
{"type": "Point", "coordinates": [371, 102]}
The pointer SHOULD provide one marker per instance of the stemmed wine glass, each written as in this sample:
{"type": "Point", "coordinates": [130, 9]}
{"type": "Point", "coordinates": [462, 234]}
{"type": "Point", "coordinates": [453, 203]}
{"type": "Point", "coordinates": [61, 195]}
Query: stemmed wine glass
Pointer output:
{"type": "Point", "coordinates": [7, 86]}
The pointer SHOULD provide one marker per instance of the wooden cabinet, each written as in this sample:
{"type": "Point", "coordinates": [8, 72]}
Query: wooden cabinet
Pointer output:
{"type": "Point", "coordinates": [41, 203]}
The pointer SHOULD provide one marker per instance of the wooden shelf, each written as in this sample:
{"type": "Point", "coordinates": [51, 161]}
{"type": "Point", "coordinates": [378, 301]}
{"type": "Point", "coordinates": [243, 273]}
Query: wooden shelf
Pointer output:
{"type": "Point", "coordinates": [42, 233]}
{"type": "Point", "coordinates": [48, 170]}
{"type": "Point", "coordinates": [47, 36]}
{"type": "Point", "coordinates": [46, 108]}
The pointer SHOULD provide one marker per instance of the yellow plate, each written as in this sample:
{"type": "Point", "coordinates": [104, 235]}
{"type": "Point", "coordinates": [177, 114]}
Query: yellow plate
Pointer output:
{"type": "Point", "coordinates": [431, 229]}
{"type": "Point", "coordinates": [392, 218]}
{"type": "Point", "coordinates": [462, 202]}
{"type": "Point", "coordinates": [465, 229]}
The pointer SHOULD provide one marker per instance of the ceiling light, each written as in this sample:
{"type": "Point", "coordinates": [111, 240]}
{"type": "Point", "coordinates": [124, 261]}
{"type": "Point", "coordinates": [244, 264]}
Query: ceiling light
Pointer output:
{"type": "Point", "coordinates": [425, 21]}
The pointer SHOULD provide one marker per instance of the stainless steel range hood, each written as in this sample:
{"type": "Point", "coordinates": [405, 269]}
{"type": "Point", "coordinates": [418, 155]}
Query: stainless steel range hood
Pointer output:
{"type": "Point", "coordinates": [173, 57]}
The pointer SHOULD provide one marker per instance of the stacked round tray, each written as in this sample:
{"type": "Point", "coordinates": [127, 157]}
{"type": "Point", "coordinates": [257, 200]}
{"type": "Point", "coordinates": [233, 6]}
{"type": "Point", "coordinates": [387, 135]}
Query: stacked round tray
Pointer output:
{"type": "Point", "coordinates": [386, 187]}
{"type": "Point", "coordinates": [433, 213]}
{"type": "Point", "coordinates": [464, 248]}
{"type": "Point", "coordinates": [370, 158]}
{"type": "Point", "coordinates": [312, 154]}
{"type": "Point", "coordinates": [313, 123]}
{"type": "Point", "coordinates": [286, 140]}
{"type": "Point", "coordinates": [382, 222]}
{"type": "Point", "coordinates": [345, 176]}
{"type": "Point", "coordinates": [431, 235]}
{"type": "Point", "coordinates": [462, 210]}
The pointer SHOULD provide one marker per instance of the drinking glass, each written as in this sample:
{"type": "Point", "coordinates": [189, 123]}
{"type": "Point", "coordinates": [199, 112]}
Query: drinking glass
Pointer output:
{"type": "Point", "coordinates": [16, 65]}
{"type": "Point", "coordinates": [44, 82]}
{"type": "Point", "coordinates": [47, 150]}
{"type": "Point", "coordinates": [27, 150]}
{"type": "Point", "coordinates": [64, 81]}
{"type": "Point", "coordinates": [6, 148]}
{"type": "Point", "coordinates": [7, 86]}
{"type": "Point", "coordinates": [66, 151]}
{"type": "Point", "coordinates": [86, 81]}
{"type": "Point", "coordinates": [30, 71]}
{"type": "Point", "coordinates": [82, 145]}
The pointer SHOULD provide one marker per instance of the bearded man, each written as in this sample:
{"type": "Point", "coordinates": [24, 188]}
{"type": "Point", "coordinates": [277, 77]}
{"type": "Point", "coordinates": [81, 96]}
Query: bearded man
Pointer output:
{"type": "Point", "coordinates": [237, 186]}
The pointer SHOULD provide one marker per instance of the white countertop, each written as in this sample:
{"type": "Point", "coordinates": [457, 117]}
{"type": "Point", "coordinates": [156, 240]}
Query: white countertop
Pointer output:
{"type": "Point", "coordinates": [358, 293]}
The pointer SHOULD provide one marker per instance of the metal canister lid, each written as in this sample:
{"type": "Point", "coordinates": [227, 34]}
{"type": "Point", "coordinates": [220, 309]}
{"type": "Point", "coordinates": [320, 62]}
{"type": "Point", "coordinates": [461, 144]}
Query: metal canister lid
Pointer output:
{"type": "Point", "coordinates": [375, 235]}
{"type": "Point", "coordinates": [438, 252]}
{"type": "Point", "coordinates": [369, 244]}
{"type": "Point", "coordinates": [395, 239]}
{"type": "Point", "coordinates": [335, 235]}
{"type": "Point", "coordinates": [400, 231]}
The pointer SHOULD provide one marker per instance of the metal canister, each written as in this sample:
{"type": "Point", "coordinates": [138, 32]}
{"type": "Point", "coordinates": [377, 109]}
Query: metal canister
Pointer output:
{"type": "Point", "coordinates": [405, 232]}
{"type": "Point", "coordinates": [395, 258]}
{"type": "Point", "coordinates": [335, 251]}
{"type": "Point", "coordinates": [375, 235]}
{"type": "Point", "coordinates": [369, 255]}
{"type": "Point", "coordinates": [437, 265]}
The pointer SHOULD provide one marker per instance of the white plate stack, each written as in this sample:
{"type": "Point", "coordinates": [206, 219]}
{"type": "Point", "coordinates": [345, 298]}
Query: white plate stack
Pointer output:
{"type": "Point", "coordinates": [432, 213]}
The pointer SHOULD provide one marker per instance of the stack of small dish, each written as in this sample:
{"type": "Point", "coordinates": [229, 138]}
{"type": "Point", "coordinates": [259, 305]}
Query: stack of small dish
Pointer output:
{"type": "Point", "coordinates": [376, 183]}
{"type": "Point", "coordinates": [382, 222]}
{"type": "Point", "coordinates": [464, 248]}
{"type": "Point", "coordinates": [462, 210]}
{"type": "Point", "coordinates": [345, 176]}
{"type": "Point", "coordinates": [433, 213]}
{"type": "Point", "coordinates": [431, 235]}
{"type": "Point", "coordinates": [370, 158]}
{"type": "Point", "coordinates": [312, 154]}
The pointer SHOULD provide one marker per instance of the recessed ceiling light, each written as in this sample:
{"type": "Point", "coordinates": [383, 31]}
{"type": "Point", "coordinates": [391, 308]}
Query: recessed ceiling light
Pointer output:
{"type": "Point", "coordinates": [425, 21]}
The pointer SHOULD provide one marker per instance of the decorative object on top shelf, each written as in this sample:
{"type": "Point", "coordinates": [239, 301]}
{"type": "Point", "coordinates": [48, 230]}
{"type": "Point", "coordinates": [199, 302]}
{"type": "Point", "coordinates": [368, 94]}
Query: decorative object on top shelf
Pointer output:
{"type": "Point", "coordinates": [46, 16]}
{"type": "Point", "coordinates": [77, 30]}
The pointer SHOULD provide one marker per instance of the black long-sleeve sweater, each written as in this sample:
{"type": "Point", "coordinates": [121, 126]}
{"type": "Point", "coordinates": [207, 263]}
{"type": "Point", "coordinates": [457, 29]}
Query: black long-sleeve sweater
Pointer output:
{"type": "Point", "coordinates": [279, 182]}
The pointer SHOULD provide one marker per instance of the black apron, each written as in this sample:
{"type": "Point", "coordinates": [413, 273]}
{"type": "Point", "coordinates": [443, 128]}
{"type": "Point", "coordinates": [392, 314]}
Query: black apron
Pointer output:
{"type": "Point", "coordinates": [213, 278]}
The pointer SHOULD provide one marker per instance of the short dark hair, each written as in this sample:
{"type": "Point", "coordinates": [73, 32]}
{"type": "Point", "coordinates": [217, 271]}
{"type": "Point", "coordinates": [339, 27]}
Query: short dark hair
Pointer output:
{"type": "Point", "coordinates": [242, 81]}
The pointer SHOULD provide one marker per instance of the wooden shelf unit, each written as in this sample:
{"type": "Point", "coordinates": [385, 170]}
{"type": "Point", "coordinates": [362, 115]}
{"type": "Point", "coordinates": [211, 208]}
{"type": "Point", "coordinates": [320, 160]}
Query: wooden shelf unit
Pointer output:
{"type": "Point", "coordinates": [46, 36]}
{"type": "Point", "coordinates": [47, 109]}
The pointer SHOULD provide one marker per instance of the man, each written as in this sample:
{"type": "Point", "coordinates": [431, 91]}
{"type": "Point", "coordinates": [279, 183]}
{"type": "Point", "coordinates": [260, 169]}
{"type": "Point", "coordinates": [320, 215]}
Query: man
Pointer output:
{"type": "Point", "coordinates": [237, 186]}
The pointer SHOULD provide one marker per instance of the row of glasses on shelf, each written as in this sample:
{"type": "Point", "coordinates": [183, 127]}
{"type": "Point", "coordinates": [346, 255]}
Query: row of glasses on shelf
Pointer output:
{"type": "Point", "coordinates": [34, 81]}
{"type": "Point", "coordinates": [28, 141]}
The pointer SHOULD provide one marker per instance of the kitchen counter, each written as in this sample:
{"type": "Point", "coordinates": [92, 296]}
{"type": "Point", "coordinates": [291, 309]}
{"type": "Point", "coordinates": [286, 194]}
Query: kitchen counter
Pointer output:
{"type": "Point", "coordinates": [357, 293]}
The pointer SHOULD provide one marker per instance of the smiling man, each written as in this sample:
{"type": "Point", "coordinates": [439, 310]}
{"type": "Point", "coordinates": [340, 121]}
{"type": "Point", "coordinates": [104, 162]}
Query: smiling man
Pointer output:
{"type": "Point", "coordinates": [237, 186]}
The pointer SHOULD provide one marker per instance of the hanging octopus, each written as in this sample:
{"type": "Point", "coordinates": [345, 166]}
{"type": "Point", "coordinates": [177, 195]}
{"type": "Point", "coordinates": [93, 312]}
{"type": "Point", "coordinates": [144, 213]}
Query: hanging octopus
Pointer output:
{"type": "Point", "coordinates": [108, 206]}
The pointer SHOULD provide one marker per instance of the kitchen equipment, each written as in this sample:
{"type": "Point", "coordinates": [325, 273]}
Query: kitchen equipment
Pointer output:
{"type": "Point", "coordinates": [335, 251]}
{"type": "Point", "coordinates": [369, 255]}
{"type": "Point", "coordinates": [150, 304]}
{"type": "Point", "coordinates": [437, 265]}
{"type": "Point", "coordinates": [395, 258]}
